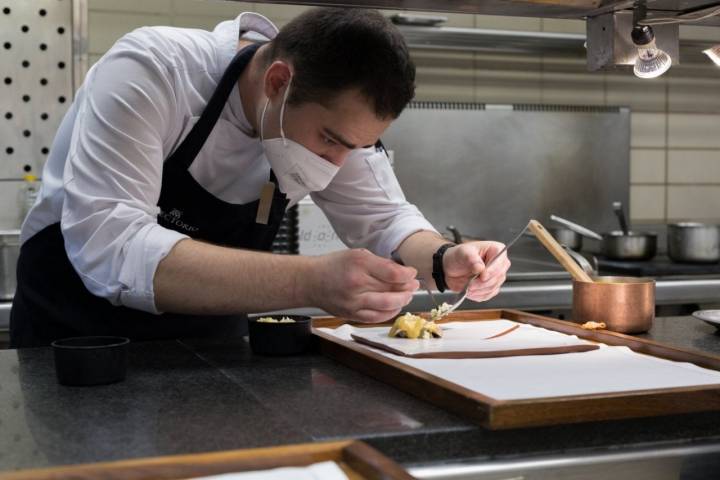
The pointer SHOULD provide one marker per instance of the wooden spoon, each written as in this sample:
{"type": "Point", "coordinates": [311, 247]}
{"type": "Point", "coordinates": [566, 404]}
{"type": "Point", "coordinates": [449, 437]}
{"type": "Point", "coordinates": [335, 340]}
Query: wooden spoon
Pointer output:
{"type": "Point", "coordinates": [558, 252]}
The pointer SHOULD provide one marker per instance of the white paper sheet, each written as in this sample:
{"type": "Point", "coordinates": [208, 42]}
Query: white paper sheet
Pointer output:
{"type": "Point", "coordinates": [471, 337]}
{"type": "Point", "coordinates": [317, 471]}
{"type": "Point", "coordinates": [606, 370]}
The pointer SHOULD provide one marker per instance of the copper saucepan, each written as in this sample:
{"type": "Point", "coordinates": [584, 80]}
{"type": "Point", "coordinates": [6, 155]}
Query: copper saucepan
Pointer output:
{"type": "Point", "coordinates": [624, 304]}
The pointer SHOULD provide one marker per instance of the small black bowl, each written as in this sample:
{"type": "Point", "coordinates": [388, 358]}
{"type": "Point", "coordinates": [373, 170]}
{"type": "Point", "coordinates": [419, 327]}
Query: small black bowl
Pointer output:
{"type": "Point", "coordinates": [90, 360]}
{"type": "Point", "coordinates": [280, 338]}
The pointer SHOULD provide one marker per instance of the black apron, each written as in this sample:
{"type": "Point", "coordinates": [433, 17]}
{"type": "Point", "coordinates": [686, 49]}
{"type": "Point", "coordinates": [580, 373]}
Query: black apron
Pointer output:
{"type": "Point", "coordinates": [52, 302]}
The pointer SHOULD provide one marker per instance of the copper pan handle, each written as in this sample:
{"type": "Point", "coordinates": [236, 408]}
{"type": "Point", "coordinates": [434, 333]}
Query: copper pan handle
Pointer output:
{"type": "Point", "coordinates": [558, 252]}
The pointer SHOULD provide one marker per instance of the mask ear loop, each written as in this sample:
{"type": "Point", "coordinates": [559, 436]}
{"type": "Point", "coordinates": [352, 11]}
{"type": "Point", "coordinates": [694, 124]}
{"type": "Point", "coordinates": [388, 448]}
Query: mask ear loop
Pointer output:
{"type": "Point", "coordinates": [282, 114]}
{"type": "Point", "coordinates": [282, 111]}
{"type": "Point", "coordinates": [262, 119]}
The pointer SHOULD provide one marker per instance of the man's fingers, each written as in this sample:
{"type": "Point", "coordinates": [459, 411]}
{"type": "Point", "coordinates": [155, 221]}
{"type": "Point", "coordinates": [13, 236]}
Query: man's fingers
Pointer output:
{"type": "Point", "coordinates": [388, 271]}
{"type": "Point", "coordinates": [384, 301]}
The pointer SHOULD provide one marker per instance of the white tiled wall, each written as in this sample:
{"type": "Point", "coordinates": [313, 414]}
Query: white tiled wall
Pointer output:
{"type": "Point", "coordinates": [675, 156]}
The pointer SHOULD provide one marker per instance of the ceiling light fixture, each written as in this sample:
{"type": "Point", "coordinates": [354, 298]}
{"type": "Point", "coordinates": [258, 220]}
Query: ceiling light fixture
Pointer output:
{"type": "Point", "coordinates": [714, 54]}
{"type": "Point", "coordinates": [651, 62]}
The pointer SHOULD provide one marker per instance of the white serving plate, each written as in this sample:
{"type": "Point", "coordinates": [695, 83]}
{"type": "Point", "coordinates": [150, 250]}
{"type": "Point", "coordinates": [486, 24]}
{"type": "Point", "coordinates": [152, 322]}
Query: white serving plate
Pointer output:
{"type": "Point", "coordinates": [711, 317]}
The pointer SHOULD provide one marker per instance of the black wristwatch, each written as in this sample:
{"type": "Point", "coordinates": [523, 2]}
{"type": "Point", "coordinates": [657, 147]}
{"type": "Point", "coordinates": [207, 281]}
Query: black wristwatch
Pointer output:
{"type": "Point", "coordinates": [438, 272]}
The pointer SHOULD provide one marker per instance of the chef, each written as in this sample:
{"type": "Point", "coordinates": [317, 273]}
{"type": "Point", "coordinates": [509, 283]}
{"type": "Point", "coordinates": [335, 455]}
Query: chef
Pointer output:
{"type": "Point", "coordinates": [171, 172]}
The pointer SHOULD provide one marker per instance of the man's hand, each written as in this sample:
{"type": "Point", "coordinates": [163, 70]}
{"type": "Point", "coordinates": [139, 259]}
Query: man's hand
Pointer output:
{"type": "Point", "coordinates": [358, 285]}
{"type": "Point", "coordinates": [462, 261]}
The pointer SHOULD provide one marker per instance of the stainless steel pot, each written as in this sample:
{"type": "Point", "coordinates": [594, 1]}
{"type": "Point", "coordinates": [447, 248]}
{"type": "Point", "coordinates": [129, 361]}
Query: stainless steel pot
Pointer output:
{"type": "Point", "coordinates": [9, 252]}
{"type": "Point", "coordinates": [693, 242]}
{"type": "Point", "coordinates": [629, 246]}
{"type": "Point", "coordinates": [567, 237]}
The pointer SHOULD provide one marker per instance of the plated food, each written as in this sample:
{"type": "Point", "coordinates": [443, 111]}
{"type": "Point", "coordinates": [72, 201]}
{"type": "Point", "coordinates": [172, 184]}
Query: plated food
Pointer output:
{"type": "Point", "coordinates": [593, 325]}
{"type": "Point", "coordinates": [440, 311]}
{"type": "Point", "coordinates": [275, 320]}
{"type": "Point", "coordinates": [414, 327]}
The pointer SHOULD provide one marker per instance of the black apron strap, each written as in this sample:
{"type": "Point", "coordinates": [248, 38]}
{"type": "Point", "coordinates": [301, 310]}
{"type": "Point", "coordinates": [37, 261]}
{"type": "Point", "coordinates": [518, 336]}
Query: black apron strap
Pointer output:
{"type": "Point", "coordinates": [193, 143]}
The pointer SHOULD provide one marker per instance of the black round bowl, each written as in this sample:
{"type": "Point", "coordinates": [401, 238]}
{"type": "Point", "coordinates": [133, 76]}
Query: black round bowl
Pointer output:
{"type": "Point", "coordinates": [280, 338]}
{"type": "Point", "coordinates": [83, 361]}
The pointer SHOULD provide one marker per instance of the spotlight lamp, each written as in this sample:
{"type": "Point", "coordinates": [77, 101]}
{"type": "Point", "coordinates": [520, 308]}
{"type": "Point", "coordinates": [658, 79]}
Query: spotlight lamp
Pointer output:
{"type": "Point", "coordinates": [651, 62]}
{"type": "Point", "coordinates": [714, 54]}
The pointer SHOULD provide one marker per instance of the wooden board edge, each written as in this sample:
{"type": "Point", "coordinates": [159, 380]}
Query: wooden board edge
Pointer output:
{"type": "Point", "coordinates": [372, 464]}
{"type": "Point", "coordinates": [356, 454]}
{"type": "Point", "coordinates": [639, 345]}
{"type": "Point", "coordinates": [621, 406]}
{"type": "Point", "coordinates": [504, 414]}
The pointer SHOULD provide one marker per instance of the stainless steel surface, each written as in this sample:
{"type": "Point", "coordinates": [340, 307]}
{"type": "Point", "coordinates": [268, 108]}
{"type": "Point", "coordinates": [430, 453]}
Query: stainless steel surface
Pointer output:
{"type": "Point", "coordinates": [5, 316]}
{"type": "Point", "coordinates": [532, 8]}
{"type": "Point", "coordinates": [520, 42]}
{"type": "Point", "coordinates": [693, 242]}
{"type": "Point", "coordinates": [37, 67]}
{"type": "Point", "coordinates": [477, 155]}
{"type": "Point", "coordinates": [566, 237]}
{"type": "Point", "coordinates": [576, 228]}
{"type": "Point", "coordinates": [9, 252]}
{"type": "Point", "coordinates": [634, 246]}
{"type": "Point", "coordinates": [638, 464]}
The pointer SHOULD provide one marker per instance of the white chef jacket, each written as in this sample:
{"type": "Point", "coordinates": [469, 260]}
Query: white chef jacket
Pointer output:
{"type": "Point", "coordinates": [103, 176]}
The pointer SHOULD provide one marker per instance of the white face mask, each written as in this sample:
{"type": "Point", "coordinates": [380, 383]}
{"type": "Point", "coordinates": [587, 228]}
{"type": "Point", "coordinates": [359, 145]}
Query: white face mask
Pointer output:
{"type": "Point", "coordinates": [298, 170]}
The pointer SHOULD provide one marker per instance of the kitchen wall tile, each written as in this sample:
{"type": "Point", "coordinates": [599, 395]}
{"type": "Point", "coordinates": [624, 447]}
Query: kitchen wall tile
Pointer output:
{"type": "Point", "coordinates": [211, 8]}
{"type": "Point", "coordinates": [443, 76]}
{"type": "Point", "coordinates": [647, 203]}
{"type": "Point", "coordinates": [566, 81]}
{"type": "Point", "coordinates": [694, 203]}
{"type": "Point", "coordinates": [694, 94]}
{"type": "Point", "coordinates": [694, 166]}
{"type": "Point", "coordinates": [499, 22]}
{"type": "Point", "coordinates": [132, 6]}
{"type": "Point", "coordinates": [647, 130]}
{"type": "Point", "coordinates": [104, 28]}
{"type": "Point", "coordinates": [198, 21]}
{"type": "Point", "coordinates": [647, 165]}
{"type": "Point", "coordinates": [280, 14]}
{"type": "Point", "coordinates": [10, 198]}
{"type": "Point", "coordinates": [641, 95]}
{"type": "Point", "coordinates": [694, 32]}
{"type": "Point", "coordinates": [507, 78]}
{"type": "Point", "coordinates": [694, 130]}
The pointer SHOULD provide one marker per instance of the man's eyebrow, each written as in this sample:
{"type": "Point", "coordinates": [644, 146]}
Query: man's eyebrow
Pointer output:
{"type": "Point", "coordinates": [341, 140]}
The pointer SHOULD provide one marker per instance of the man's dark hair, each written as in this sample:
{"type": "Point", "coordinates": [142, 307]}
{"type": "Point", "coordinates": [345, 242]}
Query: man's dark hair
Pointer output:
{"type": "Point", "coordinates": [336, 49]}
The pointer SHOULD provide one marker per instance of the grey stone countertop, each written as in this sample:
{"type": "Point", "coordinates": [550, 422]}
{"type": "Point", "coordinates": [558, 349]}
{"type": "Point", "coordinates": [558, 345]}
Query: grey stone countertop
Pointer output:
{"type": "Point", "coordinates": [207, 395]}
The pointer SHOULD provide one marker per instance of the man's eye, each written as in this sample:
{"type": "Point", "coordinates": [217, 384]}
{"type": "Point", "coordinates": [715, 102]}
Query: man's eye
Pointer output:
{"type": "Point", "coordinates": [329, 140]}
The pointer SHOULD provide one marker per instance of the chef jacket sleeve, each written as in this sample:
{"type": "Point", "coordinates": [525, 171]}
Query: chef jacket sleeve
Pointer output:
{"type": "Point", "coordinates": [366, 206]}
{"type": "Point", "coordinates": [113, 175]}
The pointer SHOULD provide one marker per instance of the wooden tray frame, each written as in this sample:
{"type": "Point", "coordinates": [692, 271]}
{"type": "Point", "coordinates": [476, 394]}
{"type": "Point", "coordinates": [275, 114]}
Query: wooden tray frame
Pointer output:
{"type": "Point", "coordinates": [505, 414]}
{"type": "Point", "coordinates": [358, 460]}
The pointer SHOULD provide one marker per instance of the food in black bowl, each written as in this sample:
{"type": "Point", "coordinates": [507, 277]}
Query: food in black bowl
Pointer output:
{"type": "Point", "coordinates": [280, 334]}
{"type": "Point", "coordinates": [84, 361]}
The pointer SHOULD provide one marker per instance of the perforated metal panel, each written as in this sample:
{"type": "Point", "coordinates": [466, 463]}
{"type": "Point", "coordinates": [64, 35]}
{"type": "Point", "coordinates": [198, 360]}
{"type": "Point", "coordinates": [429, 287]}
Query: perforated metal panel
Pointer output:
{"type": "Point", "coordinates": [36, 80]}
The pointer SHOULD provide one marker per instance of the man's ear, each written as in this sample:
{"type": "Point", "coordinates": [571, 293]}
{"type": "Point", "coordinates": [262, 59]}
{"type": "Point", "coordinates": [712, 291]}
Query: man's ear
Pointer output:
{"type": "Point", "coordinates": [277, 77]}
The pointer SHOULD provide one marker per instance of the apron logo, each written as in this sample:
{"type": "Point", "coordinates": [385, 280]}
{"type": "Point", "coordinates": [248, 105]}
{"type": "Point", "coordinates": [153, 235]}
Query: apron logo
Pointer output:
{"type": "Point", "coordinates": [173, 218]}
